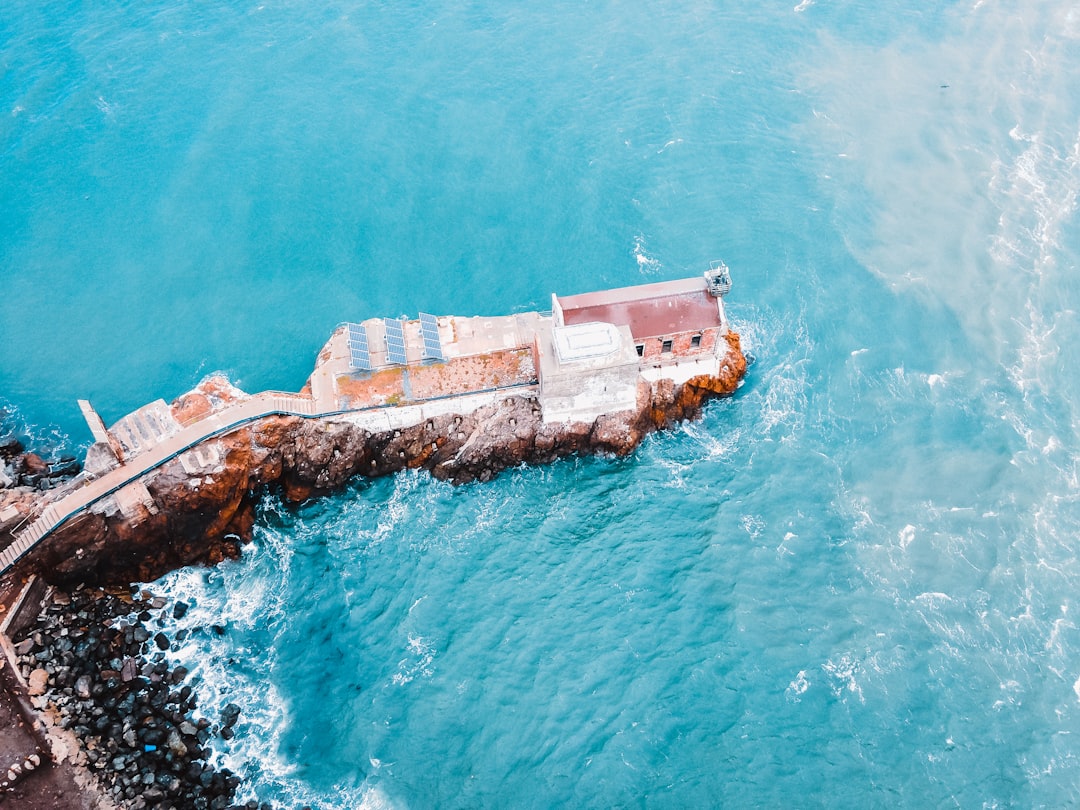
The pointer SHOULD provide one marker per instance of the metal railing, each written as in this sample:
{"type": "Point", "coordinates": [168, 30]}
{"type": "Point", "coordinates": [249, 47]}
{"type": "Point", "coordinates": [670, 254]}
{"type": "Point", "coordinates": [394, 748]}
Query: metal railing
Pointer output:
{"type": "Point", "coordinates": [39, 530]}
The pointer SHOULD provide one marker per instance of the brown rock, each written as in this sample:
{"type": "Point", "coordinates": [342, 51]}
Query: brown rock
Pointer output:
{"type": "Point", "coordinates": [190, 407]}
{"type": "Point", "coordinates": [295, 492]}
{"type": "Point", "coordinates": [205, 516]}
{"type": "Point", "coordinates": [32, 464]}
{"type": "Point", "coordinates": [37, 682]}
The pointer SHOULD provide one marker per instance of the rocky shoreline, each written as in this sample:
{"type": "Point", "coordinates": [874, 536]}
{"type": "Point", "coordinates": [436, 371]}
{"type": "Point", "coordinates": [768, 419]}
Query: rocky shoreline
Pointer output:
{"type": "Point", "coordinates": [97, 673]}
{"type": "Point", "coordinates": [203, 516]}
{"type": "Point", "coordinates": [20, 469]}
{"type": "Point", "coordinates": [98, 676]}
{"type": "Point", "coordinates": [28, 477]}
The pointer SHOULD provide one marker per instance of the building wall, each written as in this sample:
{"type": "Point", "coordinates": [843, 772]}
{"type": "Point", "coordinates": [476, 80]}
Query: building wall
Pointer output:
{"type": "Point", "coordinates": [681, 345]}
{"type": "Point", "coordinates": [580, 391]}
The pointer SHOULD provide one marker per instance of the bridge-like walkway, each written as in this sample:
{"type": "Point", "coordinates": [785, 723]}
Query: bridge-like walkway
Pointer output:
{"type": "Point", "coordinates": [152, 446]}
{"type": "Point", "coordinates": [258, 406]}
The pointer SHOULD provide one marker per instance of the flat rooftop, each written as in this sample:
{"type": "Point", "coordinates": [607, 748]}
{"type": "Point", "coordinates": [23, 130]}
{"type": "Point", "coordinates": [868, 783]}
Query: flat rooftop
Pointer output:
{"type": "Point", "coordinates": [585, 341]}
{"type": "Point", "coordinates": [650, 310]}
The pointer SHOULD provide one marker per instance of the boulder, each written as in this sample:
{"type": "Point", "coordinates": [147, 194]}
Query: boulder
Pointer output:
{"type": "Point", "coordinates": [229, 715]}
{"type": "Point", "coordinates": [10, 447]}
{"type": "Point", "coordinates": [33, 464]}
{"type": "Point", "coordinates": [24, 647]}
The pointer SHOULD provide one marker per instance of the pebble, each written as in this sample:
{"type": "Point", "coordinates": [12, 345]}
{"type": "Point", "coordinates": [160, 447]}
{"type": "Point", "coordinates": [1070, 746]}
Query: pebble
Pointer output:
{"type": "Point", "coordinates": [37, 682]}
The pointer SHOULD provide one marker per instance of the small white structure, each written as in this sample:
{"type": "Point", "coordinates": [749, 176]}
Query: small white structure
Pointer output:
{"type": "Point", "coordinates": [585, 370]}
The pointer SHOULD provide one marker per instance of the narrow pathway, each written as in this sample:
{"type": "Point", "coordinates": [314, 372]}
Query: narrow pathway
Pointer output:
{"type": "Point", "coordinates": [267, 403]}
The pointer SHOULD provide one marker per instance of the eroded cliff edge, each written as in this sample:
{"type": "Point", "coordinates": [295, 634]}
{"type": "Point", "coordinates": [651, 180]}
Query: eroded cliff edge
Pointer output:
{"type": "Point", "coordinates": [204, 516]}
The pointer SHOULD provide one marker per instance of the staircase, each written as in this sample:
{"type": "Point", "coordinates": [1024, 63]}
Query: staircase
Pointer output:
{"type": "Point", "coordinates": [144, 436]}
{"type": "Point", "coordinates": [30, 535]}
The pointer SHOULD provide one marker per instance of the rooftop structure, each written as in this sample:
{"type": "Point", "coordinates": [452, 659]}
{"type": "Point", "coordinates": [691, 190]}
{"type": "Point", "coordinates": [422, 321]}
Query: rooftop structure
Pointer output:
{"type": "Point", "coordinates": [650, 310]}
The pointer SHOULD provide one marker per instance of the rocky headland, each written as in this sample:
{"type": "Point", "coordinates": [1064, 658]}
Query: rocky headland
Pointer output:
{"type": "Point", "coordinates": [90, 662]}
{"type": "Point", "coordinates": [204, 516]}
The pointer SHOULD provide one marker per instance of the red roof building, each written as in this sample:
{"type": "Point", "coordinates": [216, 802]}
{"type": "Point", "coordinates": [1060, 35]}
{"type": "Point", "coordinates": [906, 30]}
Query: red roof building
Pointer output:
{"type": "Point", "coordinates": [671, 318]}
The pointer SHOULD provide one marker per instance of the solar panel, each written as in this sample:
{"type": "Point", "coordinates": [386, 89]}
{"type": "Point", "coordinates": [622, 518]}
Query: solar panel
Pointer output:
{"type": "Point", "coordinates": [395, 341]}
{"type": "Point", "coordinates": [429, 331]}
{"type": "Point", "coordinates": [359, 354]}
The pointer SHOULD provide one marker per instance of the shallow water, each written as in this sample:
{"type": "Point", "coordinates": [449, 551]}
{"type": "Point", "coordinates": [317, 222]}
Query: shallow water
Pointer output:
{"type": "Point", "coordinates": [851, 584]}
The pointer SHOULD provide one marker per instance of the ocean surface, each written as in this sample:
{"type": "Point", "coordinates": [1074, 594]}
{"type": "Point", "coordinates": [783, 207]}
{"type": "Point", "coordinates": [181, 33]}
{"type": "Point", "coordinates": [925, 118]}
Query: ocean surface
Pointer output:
{"type": "Point", "coordinates": [853, 584]}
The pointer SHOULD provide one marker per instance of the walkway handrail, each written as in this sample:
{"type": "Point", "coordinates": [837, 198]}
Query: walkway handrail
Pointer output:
{"type": "Point", "coordinates": [7, 560]}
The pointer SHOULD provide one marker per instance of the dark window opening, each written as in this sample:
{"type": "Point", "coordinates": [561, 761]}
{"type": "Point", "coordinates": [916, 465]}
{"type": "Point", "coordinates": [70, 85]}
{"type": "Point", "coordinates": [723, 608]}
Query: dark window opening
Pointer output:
{"type": "Point", "coordinates": [695, 342]}
{"type": "Point", "coordinates": [641, 350]}
{"type": "Point", "coordinates": [667, 347]}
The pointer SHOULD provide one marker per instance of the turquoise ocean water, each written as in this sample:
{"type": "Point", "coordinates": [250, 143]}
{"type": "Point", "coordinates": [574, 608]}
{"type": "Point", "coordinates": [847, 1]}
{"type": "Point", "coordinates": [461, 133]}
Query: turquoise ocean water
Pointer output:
{"type": "Point", "coordinates": [854, 584]}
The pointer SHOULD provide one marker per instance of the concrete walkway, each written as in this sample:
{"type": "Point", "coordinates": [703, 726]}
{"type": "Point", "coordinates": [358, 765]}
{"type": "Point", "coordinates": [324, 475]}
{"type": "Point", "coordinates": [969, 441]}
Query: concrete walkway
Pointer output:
{"type": "Point", "coordinates": [267, 403]}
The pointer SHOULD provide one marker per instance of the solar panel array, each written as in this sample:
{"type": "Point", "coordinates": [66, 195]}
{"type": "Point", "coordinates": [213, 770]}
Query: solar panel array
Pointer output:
{"type": "Point", "coordinates": [429, 331]}
{"type": "Point", "coordinates": [395, 341]}
{"type": "Point", "coordinates": [359, 354]}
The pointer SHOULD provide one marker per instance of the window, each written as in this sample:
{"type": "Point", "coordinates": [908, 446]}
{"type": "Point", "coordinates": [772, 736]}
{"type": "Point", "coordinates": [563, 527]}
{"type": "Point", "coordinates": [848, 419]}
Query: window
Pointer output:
{"type": "Point", "coordinates": [695, 342]}
{"type": "Point", "coordinates": [667, 347]}
{"type": "Point", "coordinates": [641, 350]}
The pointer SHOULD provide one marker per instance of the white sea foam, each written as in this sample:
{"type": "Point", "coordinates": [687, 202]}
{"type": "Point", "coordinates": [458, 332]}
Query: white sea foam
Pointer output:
{"type": "Point", "coordinates": [417, 663]}
{"type": "Point", "coordinates": [907, 534]}
{"type": "Point", "coordinates": [247, 597]}
{"type": "Point", "coordinates": [47, 440]}
{"type": "Point", "coordinates": [711, 443]}
{"type": "Point", "coordinates": [677, 472]}
{"type": "Point", "coordinates": [798, 686]}
{"type": "Point", "coordinates": [647, 265]}
{"type": "Point", "coordinates": [753, 525]}
{"type": "Point", "coordinates": [1053, 641]}
{"type": "Point", "coordinates": [107, 108]}
{"type": "Point", "coordinates": [843, 673]}
{"type": "Point", "coordinates": [782, 393]}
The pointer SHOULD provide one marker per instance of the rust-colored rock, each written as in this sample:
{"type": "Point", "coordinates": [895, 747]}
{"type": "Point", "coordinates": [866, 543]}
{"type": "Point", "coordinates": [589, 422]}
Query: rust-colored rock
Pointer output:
{"type": "Point", "coordinates": [211, 395]}
{"type": "Point", "coordinates": [191, 407]}
{"type": "Point", "coordinates": [33, 464]}
{"type": "Point", "coordinates": [205, 516]}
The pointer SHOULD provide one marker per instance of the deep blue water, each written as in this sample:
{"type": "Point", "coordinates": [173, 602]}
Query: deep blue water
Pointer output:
{"type": "Point", "coordinates": [853, 584]}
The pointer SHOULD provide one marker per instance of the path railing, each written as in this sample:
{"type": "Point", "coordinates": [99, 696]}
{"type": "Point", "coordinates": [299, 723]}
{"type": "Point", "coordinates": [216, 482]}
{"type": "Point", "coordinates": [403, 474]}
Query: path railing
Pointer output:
{"type": "Point", "coordinates": [268, 403]}
{"type": "Point", "coordinates": [258, 406]}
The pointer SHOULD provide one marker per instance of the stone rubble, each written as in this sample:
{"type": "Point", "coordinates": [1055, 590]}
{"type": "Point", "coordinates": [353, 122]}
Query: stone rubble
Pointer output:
{"type": "Point", "coordinates": [89, 661]}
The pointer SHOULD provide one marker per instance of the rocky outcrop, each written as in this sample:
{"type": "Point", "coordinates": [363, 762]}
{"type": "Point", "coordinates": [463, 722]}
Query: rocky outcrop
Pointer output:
{"type": "Point", "coordinates": [29, 471]}
{"type": "Point", "coordinates": [204, 516]}
{"type": "Point", "coordinates": [28, 482]}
